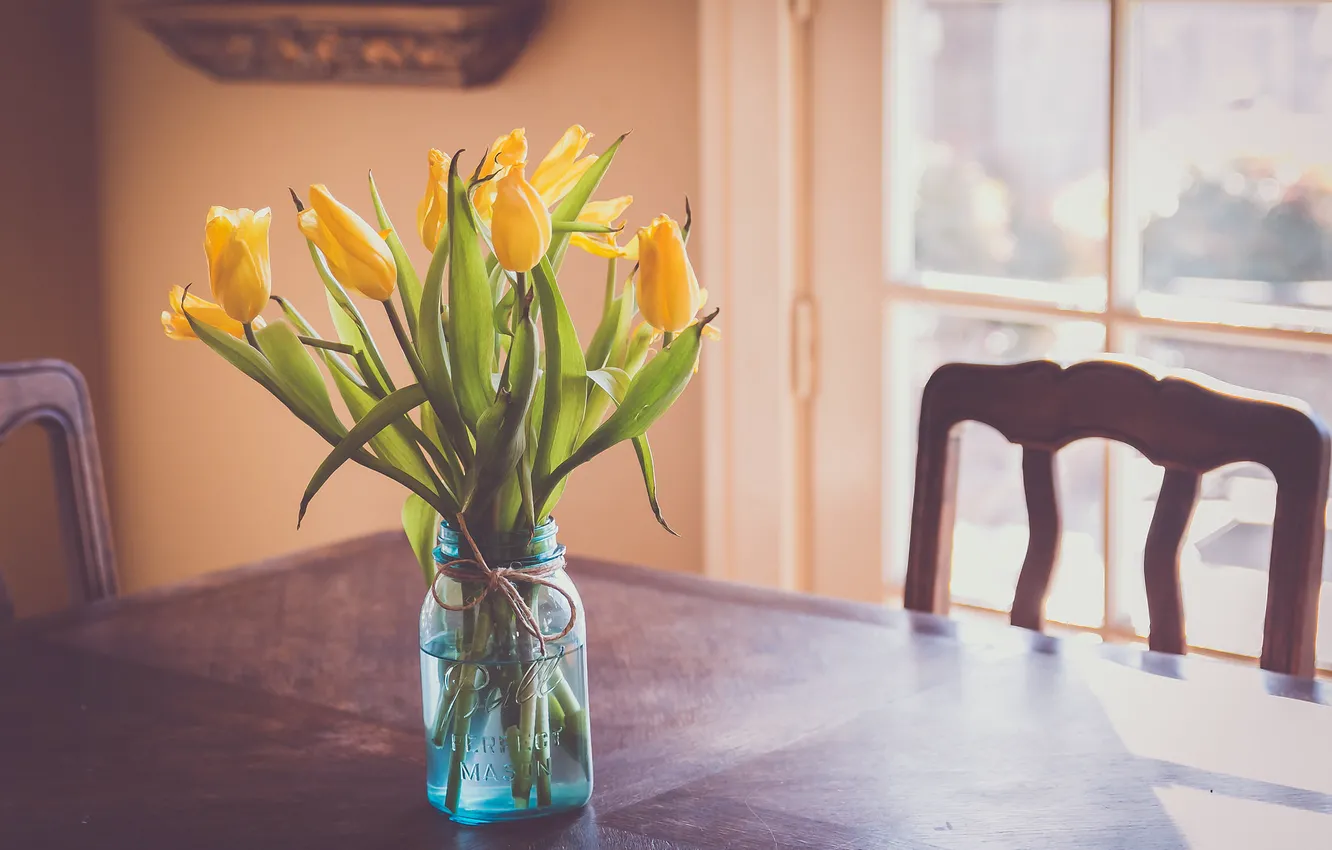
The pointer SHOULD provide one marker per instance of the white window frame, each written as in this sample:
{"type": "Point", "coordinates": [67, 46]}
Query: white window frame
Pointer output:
{"type": "Point", "coordinates": [800, 492]}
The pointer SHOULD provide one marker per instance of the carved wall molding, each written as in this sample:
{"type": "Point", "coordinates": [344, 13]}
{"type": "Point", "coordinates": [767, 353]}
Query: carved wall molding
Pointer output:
{"type": "Point", "coordinates": [429, 42]}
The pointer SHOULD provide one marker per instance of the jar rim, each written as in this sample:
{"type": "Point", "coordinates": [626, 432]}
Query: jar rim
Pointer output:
{"type": "Point", "coordinates": [512, 548]}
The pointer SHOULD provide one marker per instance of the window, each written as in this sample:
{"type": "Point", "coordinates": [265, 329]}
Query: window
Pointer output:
{"type": "Point", "coordinates": [1153, 178]}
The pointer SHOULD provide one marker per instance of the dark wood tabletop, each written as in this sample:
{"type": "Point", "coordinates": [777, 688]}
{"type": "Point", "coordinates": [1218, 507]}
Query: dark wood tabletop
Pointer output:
{"type": "Point", "coordinates": [279, 706]}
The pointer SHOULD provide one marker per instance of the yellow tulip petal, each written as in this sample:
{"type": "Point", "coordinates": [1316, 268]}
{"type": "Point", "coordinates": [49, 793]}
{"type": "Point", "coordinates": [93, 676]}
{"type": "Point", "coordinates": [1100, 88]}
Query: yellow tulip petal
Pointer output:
{"type": "Point", "coordinates": [561, 157]}
{"type": "Point", "coordinates": [432, 212]}
{"type": "Point", "coordinates": [556, 184]}
{"type": "Point", "coordinates": [604, 212]}
{"type": "Point", "coordinates": [520, 224]}
{"type": "Point", "coordinates": [201, 310]}
{"type": "Point", "coordinates": [176, 327]}
{"type": "Point", "coordinates": [505, 152]}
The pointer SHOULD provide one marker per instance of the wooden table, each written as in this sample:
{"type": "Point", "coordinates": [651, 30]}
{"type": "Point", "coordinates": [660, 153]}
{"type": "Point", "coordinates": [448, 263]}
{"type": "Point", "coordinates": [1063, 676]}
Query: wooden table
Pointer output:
{"type": "Point", "coordinates": [278, 706]}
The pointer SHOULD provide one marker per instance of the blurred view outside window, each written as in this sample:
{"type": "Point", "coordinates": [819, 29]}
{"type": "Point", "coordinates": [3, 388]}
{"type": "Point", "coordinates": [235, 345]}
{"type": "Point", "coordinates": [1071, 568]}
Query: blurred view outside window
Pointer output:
{"type": "Point", "coordinates": [1004, 115]}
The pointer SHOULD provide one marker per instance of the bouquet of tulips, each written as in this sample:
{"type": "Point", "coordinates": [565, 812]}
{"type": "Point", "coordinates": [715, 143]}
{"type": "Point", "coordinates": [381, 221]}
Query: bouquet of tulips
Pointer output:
{"type": "Point", "coordinates": [506, 400]}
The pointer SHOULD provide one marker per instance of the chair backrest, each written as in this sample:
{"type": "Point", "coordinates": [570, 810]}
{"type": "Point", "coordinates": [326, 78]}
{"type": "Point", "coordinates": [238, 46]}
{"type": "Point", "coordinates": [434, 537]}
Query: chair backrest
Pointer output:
{"type": "Point", "coordinates": [53, 394]}
{"type": "Point", "coordinates": [1182, 421]}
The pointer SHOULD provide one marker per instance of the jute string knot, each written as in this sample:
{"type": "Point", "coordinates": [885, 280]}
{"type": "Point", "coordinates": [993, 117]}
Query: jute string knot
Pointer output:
{"type": "Point", "coordinates": [504, 580]}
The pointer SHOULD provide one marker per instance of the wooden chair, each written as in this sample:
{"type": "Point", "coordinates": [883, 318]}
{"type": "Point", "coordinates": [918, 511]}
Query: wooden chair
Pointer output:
{"type": "Point", "coordinates": [1184, 422]}
{"type": "Point", "coordinates": [53, 394]}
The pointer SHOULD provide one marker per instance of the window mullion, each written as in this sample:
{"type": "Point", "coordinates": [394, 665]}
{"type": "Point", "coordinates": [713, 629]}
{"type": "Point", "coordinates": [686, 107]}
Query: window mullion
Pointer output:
{"type": "Point", "coordinates": [1122, 274]}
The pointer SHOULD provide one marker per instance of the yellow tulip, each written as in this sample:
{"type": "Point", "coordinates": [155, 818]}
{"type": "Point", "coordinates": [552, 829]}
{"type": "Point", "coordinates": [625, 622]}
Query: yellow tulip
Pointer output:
{"type": "Point", "coordinates": [201, 310]}
{"type": "Point", "coordinates": [506, 151]}
{"type": "Point", "coordinates": [432, 212]}
{"type": "Point", "coordinates": [520, 227]}
{"type": "Point", "coordinates": [561, 168]}
{"type": "Point", "coordinates": [668, 293]}
{"type": "Point", "coordinates": [236, 244]}
{"type": "Point", "coordinates": [357, 254]}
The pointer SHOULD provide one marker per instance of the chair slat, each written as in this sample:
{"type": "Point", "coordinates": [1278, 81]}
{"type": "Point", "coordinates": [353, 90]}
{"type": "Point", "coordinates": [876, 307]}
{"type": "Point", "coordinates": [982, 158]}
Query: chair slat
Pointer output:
{"type": "Point", "coordinates": [1160, 560]}
{"type": "Point", "coordinates": [1045, 525]}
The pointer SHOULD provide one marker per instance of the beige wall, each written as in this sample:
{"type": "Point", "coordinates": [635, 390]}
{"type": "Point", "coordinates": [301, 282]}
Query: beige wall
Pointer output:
{"type": "Point", "coordinates": [48, 242]}
{"type": "Point", "coordinates": [210, 469]}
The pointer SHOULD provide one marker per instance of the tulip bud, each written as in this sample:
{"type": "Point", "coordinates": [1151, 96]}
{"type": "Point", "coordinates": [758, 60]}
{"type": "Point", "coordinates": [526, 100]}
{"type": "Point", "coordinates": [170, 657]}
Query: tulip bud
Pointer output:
{"type": "Point", "coordinates": [201, 310]}
{"type": "Point", "coordinates": [236, 244]}
{"type": "Point", "coordinates": [520, 225]}
{"type": "Point", "coordinates": [432, 213]}
{"type": "Point", "coordinates": [561, 168]}
{"type": "Point", "coordinates": [668, 294]}
{"type": "Point", "coordinates": [357, 254]}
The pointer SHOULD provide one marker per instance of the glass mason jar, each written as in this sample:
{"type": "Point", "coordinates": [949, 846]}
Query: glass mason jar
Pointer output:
{"type": "Point", "coordinates": [506, 722]}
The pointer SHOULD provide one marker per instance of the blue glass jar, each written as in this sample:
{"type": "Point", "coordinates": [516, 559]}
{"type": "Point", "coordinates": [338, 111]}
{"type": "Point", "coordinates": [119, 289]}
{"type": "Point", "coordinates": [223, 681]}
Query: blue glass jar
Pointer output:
{"type": "Point", "coordinates": [506, 718]}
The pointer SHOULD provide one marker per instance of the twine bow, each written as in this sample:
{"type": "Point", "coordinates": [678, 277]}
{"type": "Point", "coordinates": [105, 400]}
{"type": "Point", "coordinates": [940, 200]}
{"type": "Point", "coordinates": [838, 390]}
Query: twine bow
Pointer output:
{"type": "Point", "coordinates": [503, 580]}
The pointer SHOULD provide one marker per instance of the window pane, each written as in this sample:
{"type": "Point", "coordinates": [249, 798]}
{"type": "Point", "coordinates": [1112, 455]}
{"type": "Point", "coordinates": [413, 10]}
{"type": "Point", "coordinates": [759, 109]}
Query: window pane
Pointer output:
{"type": "Point", "coordinates": [1232, 162]}
{"type": "Point", "coordinates": [1002, 110]}
{"type": "Point", "coordinates": [990, 534]}
{"type": "Point", "coordinates": [1223, 566]}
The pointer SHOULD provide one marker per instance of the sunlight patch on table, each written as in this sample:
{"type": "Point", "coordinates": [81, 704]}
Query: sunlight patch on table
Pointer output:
{"type": "Point", "coordinates": [1211, 821]}
{"type": "Point", "coordinates": [1216, 721]}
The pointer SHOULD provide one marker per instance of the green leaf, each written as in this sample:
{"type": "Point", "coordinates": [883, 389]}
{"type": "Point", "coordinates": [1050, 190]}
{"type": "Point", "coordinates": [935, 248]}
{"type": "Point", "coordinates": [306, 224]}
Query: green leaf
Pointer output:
{"type": "Point", "coordinates": [612, 380]}
{"type": "Point", "coordinates": [612, 332]}
{"type": "Point", "coordinates": [566, 386]}
{"type": "Point", "coordinates": [637, 347]}
{"type": "Point", "coordinates": [382, 415]}
{"type": "Point", "coordinates": [645, 465]}
{"type": "Point", "coordinates": [394, 444]}
{"type": "Point", "coordinates": [421, 522]}
{"type": "Point", "coordinates": [503, 311]}
{"type": "Point", "coordinates": [616, 382]}
{"type": "Point", "coordinates": [573, 203]}
{"type": "Point", "coordinates": [472, 345]}
{"type": "Point", "coordinates": [505, 447]}
{"type": "Point", "coordinates": [241, 355]}
{"type": "Point", "coordinates": [253, 364]}
{"type": "Point", "coordinates": [409, 286]}
{"type": "Point", "coordinates": [299, 372]}
{"type": "Point", "coordinates": [342, 309]}
{"type": "Point", "coordinates": [331, 359]}
{"type": "Point", "coordinates": [650, 394]}
{"type": "Point", "coordinates": [432, 348]}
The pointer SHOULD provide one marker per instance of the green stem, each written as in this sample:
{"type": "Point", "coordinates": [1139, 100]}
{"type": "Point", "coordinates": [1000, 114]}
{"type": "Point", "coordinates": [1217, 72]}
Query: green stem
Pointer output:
{"type": "Point", "coordinates": [448, 693]}
{"type": "Point", "coordinates": [666, 339]}
{"type": "Point", "coordinates": [405, 342]}
{"type": "Point", "coordinates": [527, 727]}
{"type": "Point", "coordinates": [519, 296]}
{"type": "Point", "coordinates": [542, 766]}
{"type": "Point", "coordinates": [326, 345]}
{"type": "Point", "coordinates": [250, 337]}
{"type": "Point", "coordinates": [610, 285]}
{"type": "Point", "coordinates": [575, 716]}
{"type": "Point", "coordinates": [476, 635]}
